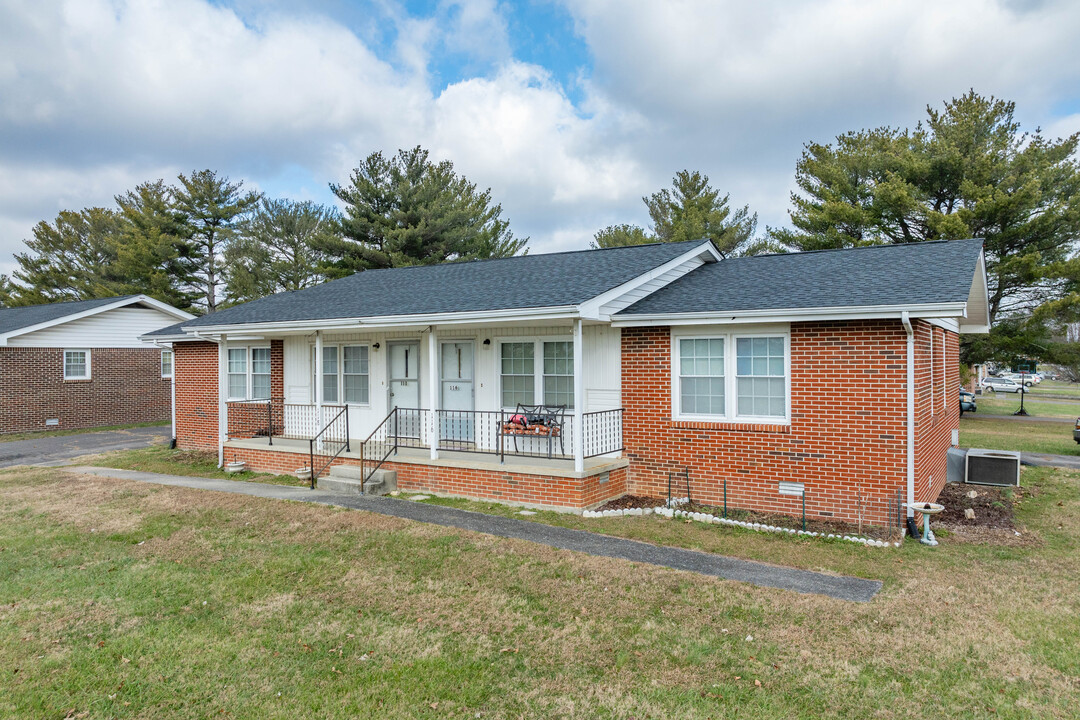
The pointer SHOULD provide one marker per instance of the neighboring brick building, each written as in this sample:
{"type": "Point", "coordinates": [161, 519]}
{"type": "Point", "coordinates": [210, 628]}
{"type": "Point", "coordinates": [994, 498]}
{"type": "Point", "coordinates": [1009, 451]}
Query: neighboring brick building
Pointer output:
{"type": "Point", "coordinates": [81, 364]}
{"type": "Point", "coordinates": [761, 376]}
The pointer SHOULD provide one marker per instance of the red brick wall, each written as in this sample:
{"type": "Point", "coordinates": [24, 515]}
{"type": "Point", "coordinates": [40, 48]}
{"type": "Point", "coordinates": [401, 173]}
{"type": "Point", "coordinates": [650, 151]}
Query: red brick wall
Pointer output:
{"type": "Point", "coordinates": [125, 387]}
{"type": "Point", "coordinates": [464, 482]}
{"type": "Point", "coordinates": [934, 421]}
{"type": "Point", "coordinates": [196, 370]}
{"type": "Point", "coordinates": [846, 438]}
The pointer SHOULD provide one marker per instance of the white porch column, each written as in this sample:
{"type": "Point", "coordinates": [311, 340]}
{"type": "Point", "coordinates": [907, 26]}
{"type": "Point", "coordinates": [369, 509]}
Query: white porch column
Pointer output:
{"type": "Point", "coordinates": [433, 393]}
{"type": "Point", "coordinates": [579, 398]}
{"type": "Point", "coordinates": [223, 394]}
{"type": "Point", "coordinates": [318, 381]}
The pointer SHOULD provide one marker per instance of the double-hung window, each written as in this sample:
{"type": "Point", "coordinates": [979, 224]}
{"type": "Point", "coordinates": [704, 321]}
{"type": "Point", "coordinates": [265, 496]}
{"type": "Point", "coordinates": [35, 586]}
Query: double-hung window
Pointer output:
{"type": "Point", "coordinates": [249, 373]}
{"type": "Point", "coordinates": [524, 380]}
{"type": "Point", "coordinates": [76, 364]}
{"type": "Point", "coordinates": [762, 380]}
{"type": "Point", "coordinates": [166, 363]}
{"type": "Point", "coordinates": [345, 374]}
{"type": "Point", "coordinates": [731, 376]}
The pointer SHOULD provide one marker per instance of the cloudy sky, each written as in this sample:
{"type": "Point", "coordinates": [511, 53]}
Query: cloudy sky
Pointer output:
{"type": "Point", "coordinates": [570, 110]}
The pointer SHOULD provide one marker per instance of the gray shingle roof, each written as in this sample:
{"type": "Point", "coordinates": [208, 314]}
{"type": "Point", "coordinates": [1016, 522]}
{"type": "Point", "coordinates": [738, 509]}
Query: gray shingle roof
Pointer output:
{"type": "Point", "coordinates": [916, 273]}
{"type": "Point", "coordinates": [529, 281]}
{"type": "Point", "coordinates": [17, 318]}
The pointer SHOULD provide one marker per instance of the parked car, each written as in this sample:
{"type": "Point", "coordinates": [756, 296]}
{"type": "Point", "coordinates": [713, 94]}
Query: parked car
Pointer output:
{"type": "Point", "coordinates": [1001, 384]}
{"type": "Point", "coordinates": [1027, 379]}
{"type": "Point", "coordinates": [1076, 431]}
{"type": "Point", "coordinates": [967, 401]}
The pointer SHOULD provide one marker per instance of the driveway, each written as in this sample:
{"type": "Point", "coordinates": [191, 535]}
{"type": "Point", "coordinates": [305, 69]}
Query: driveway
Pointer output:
{"type": "Point", "coordinates": [58, 449]}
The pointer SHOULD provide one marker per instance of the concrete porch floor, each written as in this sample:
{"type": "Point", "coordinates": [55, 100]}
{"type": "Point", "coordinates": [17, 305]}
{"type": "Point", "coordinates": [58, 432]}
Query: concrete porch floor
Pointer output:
{"type": "Point", "coordinates": [554, 467]}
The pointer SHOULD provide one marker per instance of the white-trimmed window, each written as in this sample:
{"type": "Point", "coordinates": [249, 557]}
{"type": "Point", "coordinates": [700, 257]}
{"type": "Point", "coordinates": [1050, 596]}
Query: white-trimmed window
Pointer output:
{"type": "Point", "coordinates": [166, 363]}
{"type": "Point", "coordinates": [249, 373]}
{"type": "Point", "coordinates": [701, 376]}
{"type": "Point", "coordinates": [345, 374]}
{"type": "Point", "coordinates": [523, 380]}
{"type": "Point", "coordinates": [76, 364]}
{"type": "Point", "coordinates": [731, 376]}
{"type": "Point", "coordinates": [762, 378]}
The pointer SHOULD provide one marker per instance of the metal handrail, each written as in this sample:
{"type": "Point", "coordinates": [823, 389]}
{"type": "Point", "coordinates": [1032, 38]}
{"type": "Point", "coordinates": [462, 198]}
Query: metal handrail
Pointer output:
{"type": "Point", "coordinates": [311, 445]}
{"type": "Point", "coordinates": [391, 448]}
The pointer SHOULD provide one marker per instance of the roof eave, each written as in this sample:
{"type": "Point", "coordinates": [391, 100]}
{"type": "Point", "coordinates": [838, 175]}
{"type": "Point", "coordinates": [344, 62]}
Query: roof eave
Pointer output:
{"type": "Point", "coordinates": [870, 312]}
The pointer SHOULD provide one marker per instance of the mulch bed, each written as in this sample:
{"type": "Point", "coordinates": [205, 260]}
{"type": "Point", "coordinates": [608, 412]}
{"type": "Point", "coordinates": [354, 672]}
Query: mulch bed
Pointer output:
{"type": "Point", "coordinates": [628, 502]}
{"type": "Point", "coordinates": [993, 506]}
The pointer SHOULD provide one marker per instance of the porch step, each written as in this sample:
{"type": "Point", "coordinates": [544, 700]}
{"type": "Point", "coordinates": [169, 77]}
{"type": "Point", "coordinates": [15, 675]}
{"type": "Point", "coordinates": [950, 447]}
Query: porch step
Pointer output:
{"type": "Point", "coordinates": [347, 479]}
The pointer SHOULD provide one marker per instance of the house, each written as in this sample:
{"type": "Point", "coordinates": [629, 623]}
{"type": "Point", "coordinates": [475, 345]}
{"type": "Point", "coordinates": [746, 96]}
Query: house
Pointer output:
{"type": "Point", "coordinates": [829, 377]}
{"type": "Point", "coordinates": [81, 364]}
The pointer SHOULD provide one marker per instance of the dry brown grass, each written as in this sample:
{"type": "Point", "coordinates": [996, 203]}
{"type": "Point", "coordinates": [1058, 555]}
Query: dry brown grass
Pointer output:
{"type": "Point", "coordinates": [505, 627]}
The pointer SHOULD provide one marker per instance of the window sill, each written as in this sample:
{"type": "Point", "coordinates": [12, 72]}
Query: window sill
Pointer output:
{"type": "Point", "coordinates": [78, 380]}
{"type": "Point", "coordinates": [783, 427]}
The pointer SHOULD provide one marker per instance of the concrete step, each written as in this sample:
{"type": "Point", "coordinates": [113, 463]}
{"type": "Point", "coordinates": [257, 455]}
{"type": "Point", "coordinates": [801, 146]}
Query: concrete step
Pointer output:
{"type": "Point", "coordinates": [354, 472]}
{"type": "Point", "coordinates": [381, 482]}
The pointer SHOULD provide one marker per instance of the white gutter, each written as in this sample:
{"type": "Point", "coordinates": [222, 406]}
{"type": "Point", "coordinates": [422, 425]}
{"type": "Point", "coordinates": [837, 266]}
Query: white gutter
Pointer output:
{"type": "Point", "coordinates": [906, 320]}
{"type": "Point", "coordinates": [883, 312]}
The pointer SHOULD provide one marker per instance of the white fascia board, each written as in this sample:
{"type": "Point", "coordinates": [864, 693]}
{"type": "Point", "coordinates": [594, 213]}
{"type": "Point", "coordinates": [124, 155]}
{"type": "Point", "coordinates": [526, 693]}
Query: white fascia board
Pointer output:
{"type": "Point", "coordinates": [792, 315]}
{"type": "Point", "coordinates": [156, 304]}
{"type": "Point", "coordinates": [949, 324]}
{"type": "Point", "coordinates": [590, 309]}
{"type": "Point", "coordinates": [394, 321]}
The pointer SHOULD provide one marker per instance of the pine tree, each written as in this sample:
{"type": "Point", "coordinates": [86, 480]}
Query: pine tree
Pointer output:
{"type": "Point", "coordinates": [622, 235]}
{"type": "Point", "coordinates": [408, 210]}
{"type": "Point", "coordinates": [277, 252]}
{"type": "Point", "coordinates": [213, 210]}
{"type": "Point", "coordinates": [72, 258]}
{"type": "Point", "coordinates": [693, 210]}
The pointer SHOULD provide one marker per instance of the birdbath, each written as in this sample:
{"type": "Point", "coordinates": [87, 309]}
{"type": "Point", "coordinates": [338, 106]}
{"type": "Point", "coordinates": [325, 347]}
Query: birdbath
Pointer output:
{"type": "Point", "coordinates": [927, 509]}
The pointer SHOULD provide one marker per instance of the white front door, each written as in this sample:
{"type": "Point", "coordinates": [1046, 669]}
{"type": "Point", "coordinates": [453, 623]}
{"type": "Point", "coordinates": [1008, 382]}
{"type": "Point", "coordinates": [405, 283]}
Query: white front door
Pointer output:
{"type": "Point", "coordinates": [456, 423]}
{"type": "Point", "coordinates": [404, 378]}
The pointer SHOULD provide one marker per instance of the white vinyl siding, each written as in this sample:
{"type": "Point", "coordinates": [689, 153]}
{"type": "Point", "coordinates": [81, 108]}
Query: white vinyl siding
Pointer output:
{"type": "Point", "coordinates": [76, 364]}
{"type": "Point", "coordinates": [117, 328]}
{"type": "Point", "coordinates": [166, 363]}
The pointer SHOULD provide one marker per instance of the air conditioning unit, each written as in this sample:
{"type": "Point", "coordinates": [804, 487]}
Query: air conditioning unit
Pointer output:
{"type": "Point", "coordinates": [992, 467]}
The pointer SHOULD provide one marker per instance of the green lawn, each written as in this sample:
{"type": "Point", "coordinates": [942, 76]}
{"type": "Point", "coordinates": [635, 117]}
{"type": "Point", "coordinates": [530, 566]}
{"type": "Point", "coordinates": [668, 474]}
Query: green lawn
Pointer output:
{"type": "Point", "coordinates": [49, 433]}
{"type": "Point", "coordinates": [1008, 434]}
{"type": "Point", "coordinates": [130, 600]}
{"type": "Point", "coordinates": [195, 463]}
{"type": "Point", "coordinates": [1057, 387]}
{"type": "Point", "coordinates": [1006, 404]}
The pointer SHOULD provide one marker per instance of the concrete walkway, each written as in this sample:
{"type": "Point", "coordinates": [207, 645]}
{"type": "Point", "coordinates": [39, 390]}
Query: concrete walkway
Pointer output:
{"type": "Point", "coordinates": [756, 573]}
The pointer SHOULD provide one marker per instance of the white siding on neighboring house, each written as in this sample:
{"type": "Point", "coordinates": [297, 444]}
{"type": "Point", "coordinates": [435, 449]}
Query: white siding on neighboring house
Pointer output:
{"type": "Point", "coordinates": [118, 328]}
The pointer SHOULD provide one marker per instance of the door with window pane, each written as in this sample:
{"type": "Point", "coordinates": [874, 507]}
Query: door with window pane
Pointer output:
{"type": "Point", "coordinates": [456, 422]}
{"type": "Point", "coordinates": [404, 376]}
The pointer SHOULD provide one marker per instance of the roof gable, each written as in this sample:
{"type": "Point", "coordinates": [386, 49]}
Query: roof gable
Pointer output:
{"type": "Point", "coordinates": [31, 318]}
{"type": "Point", "coordinates": [885, 276]}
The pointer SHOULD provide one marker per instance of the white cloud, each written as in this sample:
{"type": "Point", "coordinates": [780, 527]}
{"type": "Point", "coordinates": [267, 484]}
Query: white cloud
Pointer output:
{"type": "Point", "coordinates": [99, 95]}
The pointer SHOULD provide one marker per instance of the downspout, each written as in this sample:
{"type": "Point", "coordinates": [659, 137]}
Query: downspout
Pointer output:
{"type": "Point", "coordinates": [172, 392]}
{"type": "Point", "coordinates": [906, 321]}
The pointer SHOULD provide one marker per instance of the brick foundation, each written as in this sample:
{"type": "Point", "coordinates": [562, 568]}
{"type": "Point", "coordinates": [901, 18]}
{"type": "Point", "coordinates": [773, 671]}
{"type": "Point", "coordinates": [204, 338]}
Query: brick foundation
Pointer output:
{"type": "Point", "coordinates": [504, 486]}
{"type": "Point", "coordinates": [125, 388]}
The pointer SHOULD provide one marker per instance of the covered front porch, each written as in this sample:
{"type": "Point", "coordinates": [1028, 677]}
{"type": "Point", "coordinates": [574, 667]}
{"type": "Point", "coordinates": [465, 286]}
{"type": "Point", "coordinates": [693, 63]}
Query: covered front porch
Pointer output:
{"type": "Point", "coordinates": [518, 396]}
